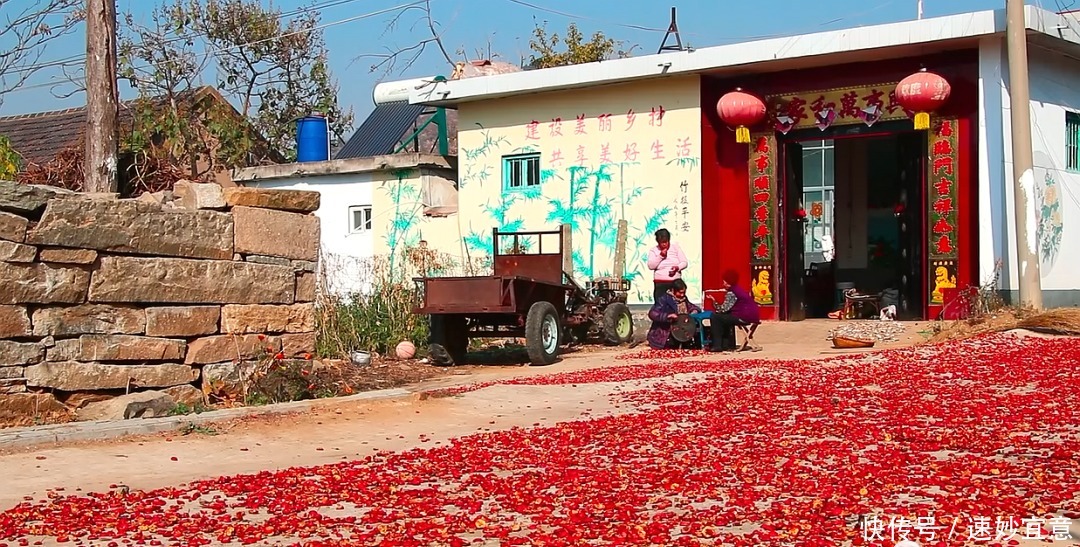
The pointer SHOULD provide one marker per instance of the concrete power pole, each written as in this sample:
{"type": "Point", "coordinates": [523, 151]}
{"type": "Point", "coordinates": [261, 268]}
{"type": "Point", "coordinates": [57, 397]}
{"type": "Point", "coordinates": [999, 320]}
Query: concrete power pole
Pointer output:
{"type": "Point", "coordinates": [102, 124]}
{"type": "Point", "coordinates": [1027, 249]}
{"type": "Point", "coordinates": [918, 8]}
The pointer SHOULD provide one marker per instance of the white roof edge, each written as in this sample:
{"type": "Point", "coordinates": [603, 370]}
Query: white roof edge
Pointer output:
{"type": "Point", "coordinates": [937, 29]}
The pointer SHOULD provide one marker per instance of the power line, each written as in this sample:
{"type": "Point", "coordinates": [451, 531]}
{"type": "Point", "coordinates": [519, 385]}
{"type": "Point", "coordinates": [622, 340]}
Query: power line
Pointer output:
{"type": "Point", "coordinates": [238, 46]}
{"type": "Point", "coordinates": [79, 59]}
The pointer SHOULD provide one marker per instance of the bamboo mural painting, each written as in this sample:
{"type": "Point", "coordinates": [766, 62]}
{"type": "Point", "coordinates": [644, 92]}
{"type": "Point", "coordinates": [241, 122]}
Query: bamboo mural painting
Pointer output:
{"type": "Point", "coordinates": [624, 152]}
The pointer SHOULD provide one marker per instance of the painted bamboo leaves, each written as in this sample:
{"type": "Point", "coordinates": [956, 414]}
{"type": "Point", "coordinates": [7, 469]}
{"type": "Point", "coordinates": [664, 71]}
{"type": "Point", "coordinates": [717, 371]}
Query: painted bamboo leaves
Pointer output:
{"type": "Point", "coordinates": [475, 170]}
{"type": "Point", "coordinates": [403, 229]}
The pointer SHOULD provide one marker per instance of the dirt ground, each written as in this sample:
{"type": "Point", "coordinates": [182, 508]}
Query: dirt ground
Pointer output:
{"type": "Point", "coordinates": [346, 430]}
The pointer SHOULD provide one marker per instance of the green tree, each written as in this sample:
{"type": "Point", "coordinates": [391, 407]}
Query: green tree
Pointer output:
{"type": "Point", "coordinates": [272, 69]}
{"type": "Point", "coordinates": [575, 49]}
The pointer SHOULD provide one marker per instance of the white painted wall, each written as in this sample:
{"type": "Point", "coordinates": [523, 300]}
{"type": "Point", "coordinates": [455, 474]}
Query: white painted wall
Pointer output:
{"type": "Point", "coordinates": [1055, 89]}
{"type": "Point", "coordinates": [344, 253]}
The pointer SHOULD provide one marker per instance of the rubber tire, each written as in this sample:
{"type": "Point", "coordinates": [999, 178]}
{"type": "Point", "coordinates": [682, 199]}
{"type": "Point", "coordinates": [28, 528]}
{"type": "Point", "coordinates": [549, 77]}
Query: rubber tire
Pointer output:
{"type": "Point", "coordinates": [534, 333]}
{"type": "Point", "coordinates": [449, 331]}
{"type": "Point", "coordinates": [615, 312]}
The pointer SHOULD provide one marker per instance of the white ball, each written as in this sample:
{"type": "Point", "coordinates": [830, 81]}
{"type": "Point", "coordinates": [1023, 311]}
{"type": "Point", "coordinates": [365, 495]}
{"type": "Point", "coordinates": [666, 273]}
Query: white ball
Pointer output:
{"type": "Point", "coordinates": [406, 350]}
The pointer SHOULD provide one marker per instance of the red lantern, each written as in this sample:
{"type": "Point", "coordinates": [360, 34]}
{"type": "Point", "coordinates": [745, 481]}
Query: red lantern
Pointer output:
{"type": "Point", "coordinates": [741, 110]}
{"type": "Point", "coordinates": [923, 93]}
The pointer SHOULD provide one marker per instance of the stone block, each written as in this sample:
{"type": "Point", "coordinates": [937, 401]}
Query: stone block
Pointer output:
{"type": "Point", "coordinates": [28, 408]}
{"type": "Point", "coordinates": [182, 281]}
{"type": "Point", "coordinates": [89, 319]}
{"type": "Point", "coordinates": [11, 373]}
{"type": "Point", "coordinates": [76, 376]}
{"type": "Point", "coordinates": [14, 322]}
{"type": "Point", "coordinates": [277, 261]}
{"type": "Point", "coordinates": [228, 381]}
{"type": "Point", "coordinates": [20, 353]}
{"type": "Point", "coordinates": [16, 252]}
{"type": "Point", "coordinates": [304, 265]}
{"type": "Point", "coordinates": [276, 233]}
{"type": "Point", "coordinates": [67, 256]}
{"type": "Point", "coordinates": [131, 226]}
{"type": "Point", "coordinates": [216, 349]}
{"type": "Point", "coordinates": [267, 319]}
{"type": "Point", "coordinates": [13, 227]}
{"type": "Point", "coordinates": [182, 320]}
{"type": "Point", "coordinates": [199, 195]}
{"type": "Point", "coordinates": [47, 284]}
{"type": "Point", "coordinates": [123, 347]}
{"type": "Point", "coordinates": [305, 286]}
{"type": "Point", "coordinates": [141, 404]}
{"type": "Point", "coordinates": [16, 385]}
{"type": "Point", "coordinates": [298, 201]}
{"type": "Point", "coordinates": [64, 350]}
{"type": "Point", "coordinates": [187, 395]}
{"type": "Point", "coordinates": [298, 345]}
{"type": "Point", "coordinates": [26, 199]}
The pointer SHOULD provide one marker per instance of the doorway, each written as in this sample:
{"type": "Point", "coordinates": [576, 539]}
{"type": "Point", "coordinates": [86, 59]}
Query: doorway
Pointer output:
{"type": "Point", "coordinates": [852, 205]}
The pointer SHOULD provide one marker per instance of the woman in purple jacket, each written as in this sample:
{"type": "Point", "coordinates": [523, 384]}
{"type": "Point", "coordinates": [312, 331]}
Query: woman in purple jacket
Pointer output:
{"type": "Point", "coordinates": [668, 307]}
{"type": "Point", "coordinates": [738, 308]}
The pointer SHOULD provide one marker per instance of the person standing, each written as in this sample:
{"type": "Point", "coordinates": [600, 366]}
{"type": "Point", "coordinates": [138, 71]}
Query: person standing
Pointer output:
{"type": "Point", "coordinates": [667, 261]}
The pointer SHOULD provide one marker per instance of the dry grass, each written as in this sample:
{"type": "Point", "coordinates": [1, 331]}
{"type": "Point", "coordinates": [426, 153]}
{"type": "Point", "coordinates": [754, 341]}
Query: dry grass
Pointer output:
{"type": "Point", "coordinates": [1059, 321]}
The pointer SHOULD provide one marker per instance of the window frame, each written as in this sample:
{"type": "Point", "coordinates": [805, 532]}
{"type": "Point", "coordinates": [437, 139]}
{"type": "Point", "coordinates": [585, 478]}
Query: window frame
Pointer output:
{"type": "Point", "coordinates": [1072, 141]}
{"type": "Point", "coordinates": [507, 170]}
{"type": "Point", "coordinates": [369, 221]}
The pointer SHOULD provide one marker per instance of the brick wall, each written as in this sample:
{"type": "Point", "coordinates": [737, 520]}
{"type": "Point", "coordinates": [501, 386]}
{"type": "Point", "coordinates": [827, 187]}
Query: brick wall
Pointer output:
{"type": "Point", "coordinates": [171, 292]}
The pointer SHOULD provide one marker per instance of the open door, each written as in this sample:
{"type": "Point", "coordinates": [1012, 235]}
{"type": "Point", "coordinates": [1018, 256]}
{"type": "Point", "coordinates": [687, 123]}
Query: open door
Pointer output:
{"type": "Point", "coordinates": [911, 148]}
{"type": "Point", "coordinates": [792, 241]}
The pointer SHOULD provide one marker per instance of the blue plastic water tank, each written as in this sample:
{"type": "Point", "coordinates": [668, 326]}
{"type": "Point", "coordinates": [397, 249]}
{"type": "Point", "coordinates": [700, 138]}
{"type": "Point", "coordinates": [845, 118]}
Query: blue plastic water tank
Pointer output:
{"type": "Point", "coordinates": [311, 139]}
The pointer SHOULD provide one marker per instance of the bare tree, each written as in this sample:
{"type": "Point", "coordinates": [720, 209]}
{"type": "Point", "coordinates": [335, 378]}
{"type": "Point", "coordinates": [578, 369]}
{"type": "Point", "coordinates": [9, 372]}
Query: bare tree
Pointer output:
{"type": "Point", "coordinates": [401, 59]}
{"type": "Point", "coordinates": [26, 28]}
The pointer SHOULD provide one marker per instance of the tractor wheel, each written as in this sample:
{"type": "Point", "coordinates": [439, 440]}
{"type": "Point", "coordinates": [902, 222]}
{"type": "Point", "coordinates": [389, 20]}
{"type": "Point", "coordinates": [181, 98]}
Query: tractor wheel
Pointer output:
{"type": "Point", "coordinates": [542, 333]}
{"type": "Point", "coordinates": [450, 332]}
{"type": "Point", "coordinates": [618, 324]}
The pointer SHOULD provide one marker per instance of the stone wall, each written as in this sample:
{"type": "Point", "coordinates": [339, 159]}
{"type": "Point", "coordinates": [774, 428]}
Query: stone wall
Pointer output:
{"type": "Point", "coordinates": [173, 292]}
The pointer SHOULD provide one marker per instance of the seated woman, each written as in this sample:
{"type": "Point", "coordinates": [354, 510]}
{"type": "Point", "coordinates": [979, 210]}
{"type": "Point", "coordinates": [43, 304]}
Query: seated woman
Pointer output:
{"type": "Point", "coordinates": [669, 307]}
{"type": "Point", "coordinates": [738, 308]}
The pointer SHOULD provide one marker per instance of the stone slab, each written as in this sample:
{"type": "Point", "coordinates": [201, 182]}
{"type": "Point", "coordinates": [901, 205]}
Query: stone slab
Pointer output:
{"type": "Point", "coordinates": [15, 322]}
{"type": "Point", "coordinates": [276, 233]}
{"type": "Point", "coordinates": [301, 346]}
{"type": "Point", "coordinates": [64, 350]}
{"type": "Point", "coordinates": [188, 395]}
{"type": "Point", "coordinates": [298, 201]}
{"type": "Point", "coordinates": [182, 320]}
{"type": "Point", "coordinates": [45, 284]}
{"type": "Point", "coordinates": [28, 407]}
{"type": "Point", "coordinates": [123, 347]}
{"type": "Point", "coordinates": [26, 199]}
{"type": "Point", "coordinates": [199, 195]}
{"type": "Point", "coordinates": [13, 227]}
{"type": "Point", "coordinates": [15, 385]}
{"type": "Point", "coordinates": [11, 373]}
{"type": "Point", "coordinates": [184, 281]}
{"type": "Point", "coordinates": [16, 252]}
{"type": "Point", "coordinates": [267, 319]}
{"type": "Point", "coordinates": [67, 256]}
{"type": "Point", "coordinates": [77, 376]}
{"type": "Point", "coordinates": [305, 286]}
{"type": "Point", "coordinates": [89, 319]}
{"type": "Point", "coordinates": [277, 261]}
{"type": "Point", "coordinates": [216, 349]}
{"type": "Point", "coordinates": [20, 353]}
{"type": "Point", "coordinates": [135, 227]}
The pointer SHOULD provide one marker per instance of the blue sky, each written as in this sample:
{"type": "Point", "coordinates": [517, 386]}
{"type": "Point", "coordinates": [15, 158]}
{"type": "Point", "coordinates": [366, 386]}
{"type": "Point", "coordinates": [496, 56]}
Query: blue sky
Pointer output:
{"type": "Point", "coordinates": [507, 25]}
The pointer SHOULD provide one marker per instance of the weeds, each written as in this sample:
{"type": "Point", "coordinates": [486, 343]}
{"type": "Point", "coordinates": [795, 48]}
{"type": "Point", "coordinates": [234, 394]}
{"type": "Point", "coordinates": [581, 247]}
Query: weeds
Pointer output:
{"type": "Point", "coordinates": [190, 429]}
{"type": "Point", "coordinates": [367, 305]}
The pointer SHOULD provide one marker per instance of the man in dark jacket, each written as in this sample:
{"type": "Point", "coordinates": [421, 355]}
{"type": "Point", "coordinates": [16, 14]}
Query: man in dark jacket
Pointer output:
{"type": "Point", "coordinates": [738, 308]}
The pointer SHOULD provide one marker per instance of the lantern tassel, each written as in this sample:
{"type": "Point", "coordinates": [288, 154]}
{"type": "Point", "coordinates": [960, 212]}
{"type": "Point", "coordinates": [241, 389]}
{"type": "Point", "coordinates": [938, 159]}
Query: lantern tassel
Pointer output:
{"type": "Point", "coordinates": [742, 135]}
{"type": "Point", "coordinates": [922, 121]}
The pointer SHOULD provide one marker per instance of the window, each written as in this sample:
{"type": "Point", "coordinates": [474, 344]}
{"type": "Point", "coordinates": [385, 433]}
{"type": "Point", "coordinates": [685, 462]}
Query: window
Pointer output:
{"type": "Point", "coordinates": [359, 218]}
{"type": "Point", "coordinates": [818, 188]}
{"type": "Point", "coordinates": [1072, 141]}
{"type": "Point", "coordinates": [521, 171]}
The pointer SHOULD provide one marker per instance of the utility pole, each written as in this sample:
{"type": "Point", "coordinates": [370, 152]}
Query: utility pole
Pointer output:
{"type": "Point", "coordinates": [102, 124]}
{"type": "Point", "coordinates": [918, 6]}
{"type": "Point", "coordinates": [1027, 249]}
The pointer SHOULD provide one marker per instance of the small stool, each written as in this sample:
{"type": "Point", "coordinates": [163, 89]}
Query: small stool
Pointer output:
{"type": "Point", "coordinates": [749, 330]}
{"type": "Point", "coordinates": [704, 334]}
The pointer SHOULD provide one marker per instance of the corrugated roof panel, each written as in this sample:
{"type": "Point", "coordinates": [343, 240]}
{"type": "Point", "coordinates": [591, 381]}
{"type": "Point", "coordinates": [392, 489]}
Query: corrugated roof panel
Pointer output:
{"type": "Point", "coordinates": [381, 131]}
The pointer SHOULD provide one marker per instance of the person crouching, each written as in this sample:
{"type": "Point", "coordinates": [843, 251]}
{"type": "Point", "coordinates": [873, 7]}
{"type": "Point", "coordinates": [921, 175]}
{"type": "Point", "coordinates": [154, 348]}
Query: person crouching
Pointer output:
{"type": "Point", "coordinates": [665, 311]}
